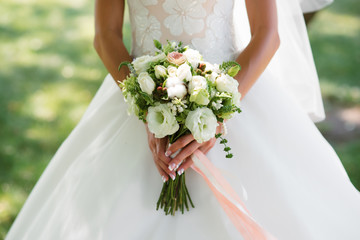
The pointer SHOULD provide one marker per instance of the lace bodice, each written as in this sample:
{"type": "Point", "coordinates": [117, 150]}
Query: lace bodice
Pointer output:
{"type": "Point", "coordinates": [205, 25]}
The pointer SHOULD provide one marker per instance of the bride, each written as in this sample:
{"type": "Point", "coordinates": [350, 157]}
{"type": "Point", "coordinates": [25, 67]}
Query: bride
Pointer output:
{"type": "Point", "coordinates": [102, 184]}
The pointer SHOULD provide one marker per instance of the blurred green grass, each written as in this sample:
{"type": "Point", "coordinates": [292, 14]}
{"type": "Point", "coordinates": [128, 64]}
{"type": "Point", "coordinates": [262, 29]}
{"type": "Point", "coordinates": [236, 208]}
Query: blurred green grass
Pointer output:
{"type": "Point", "coordinates": [49, 72]}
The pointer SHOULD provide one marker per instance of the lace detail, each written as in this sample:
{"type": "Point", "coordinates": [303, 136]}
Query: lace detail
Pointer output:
{"type": "Point", "coordinates": [186, 16]}
{"type": "Point", "coordinates": [206, 25]}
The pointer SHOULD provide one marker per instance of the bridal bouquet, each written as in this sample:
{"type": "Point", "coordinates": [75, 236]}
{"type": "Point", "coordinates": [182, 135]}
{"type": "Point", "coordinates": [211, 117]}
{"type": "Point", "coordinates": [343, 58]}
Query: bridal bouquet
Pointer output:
{"type": "Point", "coordinates": [177, 93]}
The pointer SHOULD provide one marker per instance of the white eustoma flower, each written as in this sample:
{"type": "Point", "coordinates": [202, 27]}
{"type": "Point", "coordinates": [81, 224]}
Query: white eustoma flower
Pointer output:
{"type": "Point", "coordinates": [184, 72]}
{"type": "Point", "coordinates": [184, 16]}
{"type": "Point", "coordinates": [161, 121]}
{"type": "Point", "coordinates": [160, 71]}
{"type": "Point", "coordinates": [197, 82]}
{"type": "Point", "coordinates": [172, 71]}
{"type": "Point", "coordinates": [202, 124]}
{"type": "Point", "coordinates": [147, 84]}
{"type": "Point", "coordinates": [193, 57]}
{"type": "Point", "coordinates": [225, 83]}
{"type": "Point", "coordinates": [141, 64]}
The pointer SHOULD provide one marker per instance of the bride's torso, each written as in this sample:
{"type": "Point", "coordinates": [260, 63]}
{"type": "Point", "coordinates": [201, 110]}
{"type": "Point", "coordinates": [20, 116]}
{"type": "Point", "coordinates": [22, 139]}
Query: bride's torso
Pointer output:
{"type": "Point", "coordinates": [206, 25]}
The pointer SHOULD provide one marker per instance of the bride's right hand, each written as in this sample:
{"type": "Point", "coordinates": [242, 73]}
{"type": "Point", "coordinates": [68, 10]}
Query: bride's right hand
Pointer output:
{"type": "Point", "coordinates": [158, 147]}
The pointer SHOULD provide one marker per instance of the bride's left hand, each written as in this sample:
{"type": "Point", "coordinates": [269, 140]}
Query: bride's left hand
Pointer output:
{"type": "Point", "coordinates": [187, 146]}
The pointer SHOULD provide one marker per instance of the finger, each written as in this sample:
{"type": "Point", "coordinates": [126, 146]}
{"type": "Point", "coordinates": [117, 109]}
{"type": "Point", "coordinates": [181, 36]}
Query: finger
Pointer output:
{"type": "Point", "coordinates": [180, 143]}
{"type": "Point", "coordinates": [163, 174]}
{"type": "Point", "coordinates": [187, 163]}
{"type": "Point", "coordinates": [183, 154]}
{"type": "Point", "coordinates": [206, 147]}
{"type": "Point", "coordinates": [164, 168]}
{"type": "Point", "coordinates": [161, 147]}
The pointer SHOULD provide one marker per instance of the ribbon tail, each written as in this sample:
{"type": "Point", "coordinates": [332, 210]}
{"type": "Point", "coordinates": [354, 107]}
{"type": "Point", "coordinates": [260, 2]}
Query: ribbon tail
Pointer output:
{"type": "Point", "coordinates": [228, 199]}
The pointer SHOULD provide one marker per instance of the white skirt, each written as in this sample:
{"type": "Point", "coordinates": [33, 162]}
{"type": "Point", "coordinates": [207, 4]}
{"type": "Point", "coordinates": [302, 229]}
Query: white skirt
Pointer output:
{"type": "Point", "coordinates": [102, 182]}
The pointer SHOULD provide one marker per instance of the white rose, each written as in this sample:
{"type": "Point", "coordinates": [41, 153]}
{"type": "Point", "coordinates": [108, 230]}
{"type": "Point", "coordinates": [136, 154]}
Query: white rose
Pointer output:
{"type": "Point", "coordinates": [225, 83]}
{"type": "Point", "coordinates": [236, 99]}
{"type": "Point", "coordinates": [184, 72]}
{"type": "Point", "coordinates": [197, 82]}
{"type": "Point", "coordinates": [147, 84]}
{"type": "Point", "coordinates": [160, 71]}
{"type": "Point", "coordinates": [193, 57]}
{"type": "Point", "coordinates": [172, 71]}
{"type": "Point", "coordinates": [178, 91]}
{"type": "Point", "coordinates": [202, 124]}
{"type": "Point", "coordinates": [141, 64]}
{"type": "Point", "coordinates": [161, 121]}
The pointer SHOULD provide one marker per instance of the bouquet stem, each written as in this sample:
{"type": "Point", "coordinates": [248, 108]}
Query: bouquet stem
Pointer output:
{"type": "Point", "coordinates": [174, 196]}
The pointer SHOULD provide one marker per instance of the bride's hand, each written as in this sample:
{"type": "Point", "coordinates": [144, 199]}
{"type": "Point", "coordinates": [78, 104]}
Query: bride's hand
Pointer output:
{"type": "Point", "coordinates": [158, 147]}
{"type": "Point", "coordinates": [187, 146]}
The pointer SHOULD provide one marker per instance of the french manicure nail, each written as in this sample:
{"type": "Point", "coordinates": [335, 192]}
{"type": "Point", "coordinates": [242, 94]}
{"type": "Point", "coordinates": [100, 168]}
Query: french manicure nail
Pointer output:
{"type": "Point", "coordinates": [172, 166]}
{"type": "Point", "coordinates": [163, 178]}
{"type": "Point", "coordinates": [172, 176]}
{"type": "Point", "coordinates": [168, 153]}
{"type": "Point", "coordinates": [181, 171]}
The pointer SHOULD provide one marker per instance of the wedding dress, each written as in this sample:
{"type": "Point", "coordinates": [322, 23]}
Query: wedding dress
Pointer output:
{"type": "Point", "coordinates": [102, 182]}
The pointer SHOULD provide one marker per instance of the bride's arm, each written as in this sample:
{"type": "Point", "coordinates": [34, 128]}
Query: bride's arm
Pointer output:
{"type": "Point", "coordinates": [108, 42]}
{"type": "Point", "coordinates": [109, 15]}
{"type": "Point", "coordinates": [263, 44]}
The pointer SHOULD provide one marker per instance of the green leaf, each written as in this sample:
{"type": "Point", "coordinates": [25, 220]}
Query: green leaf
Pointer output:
{"type": "Point", "coordinates": [157, 44]}
{"type": "Point", "coordinates": [223, 141]}
{"type": "Point", "coordinates": [226, 149]}
{"type": "Point", "coordinates": [218, 135]}
{"type": "Point", "coordinates": [230, 155]}
{"type": "Point", "coordinates": [126, 63]}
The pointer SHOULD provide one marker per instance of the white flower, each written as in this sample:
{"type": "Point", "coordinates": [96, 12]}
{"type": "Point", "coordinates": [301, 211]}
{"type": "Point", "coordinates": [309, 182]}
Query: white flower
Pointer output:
{"type": "Point", "coordinates": [141, 64]}
{"type": "Point", "coordinates": [173, 81]}
{"type": "Point", "coordinates": [184, 72]}
{"type": "Point", "coordinates": [147, 84]}
{"type": "Point", "coordinates": [202, 124]}
{"type": "Point", "coordinates": [178, 91]}
{"type": "Point", "coordinates": [212, 77]}
{"type": "Point", "coordinates": [160, 71]}
{"type": "Point", "coordinates": [197, 82]}
{"type": "Point", "coordinates": [161, 121]}
{"type": "Point", "coordinates": [193, 57]}
{"type": "Point", "coordinates": [225, 83]}
{"type": "Point", "coordinates": [172, 71]}
{"type": "Point", "coordinates": [236, 98]}
{"type": "Point", "coordinates": [185, 15]}
{"type": "Point", "coordinates": [132, 107]}
{"type": "Point", "coordinates": [200, 96]}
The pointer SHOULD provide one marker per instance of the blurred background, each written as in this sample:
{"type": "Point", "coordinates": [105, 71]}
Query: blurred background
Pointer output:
{"type": "Point", "coordinates": [49, 72]}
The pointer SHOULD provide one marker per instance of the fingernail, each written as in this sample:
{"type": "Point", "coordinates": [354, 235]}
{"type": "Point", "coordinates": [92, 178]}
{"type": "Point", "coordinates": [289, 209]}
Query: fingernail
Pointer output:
{"type": "Point", "coordinates": [172, 166]}
{"type": "Point", "coordinates": [172, 176]}
{"type": "Point", "coordinates": [167, 153]}
{"type": "Point", "coordinates": [163, 178]}
{"type": "Point", "coordinates": [181, 171]}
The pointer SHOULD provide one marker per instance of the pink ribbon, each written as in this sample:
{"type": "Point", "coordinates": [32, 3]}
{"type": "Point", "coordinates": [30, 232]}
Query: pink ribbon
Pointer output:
{"type": "Point", "coordinates": [228, 199]}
